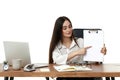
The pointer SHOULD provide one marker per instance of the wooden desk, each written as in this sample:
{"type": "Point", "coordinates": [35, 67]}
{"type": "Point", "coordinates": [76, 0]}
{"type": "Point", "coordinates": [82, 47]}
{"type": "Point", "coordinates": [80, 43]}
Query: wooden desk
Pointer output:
{"type": "Point", "coordinates": [102, 70]}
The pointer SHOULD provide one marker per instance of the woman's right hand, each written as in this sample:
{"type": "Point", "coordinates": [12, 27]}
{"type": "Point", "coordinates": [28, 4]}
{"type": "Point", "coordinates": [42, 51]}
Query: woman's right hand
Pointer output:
{"type": "Point", "coordinates": [83, 51]}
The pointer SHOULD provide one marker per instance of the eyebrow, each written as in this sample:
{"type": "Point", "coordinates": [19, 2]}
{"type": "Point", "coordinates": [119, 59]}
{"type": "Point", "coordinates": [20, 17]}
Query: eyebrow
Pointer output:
{"type": "Point", "coordinates": [64, 26]}
{"type": "Point", "coordinates": [68, 25]}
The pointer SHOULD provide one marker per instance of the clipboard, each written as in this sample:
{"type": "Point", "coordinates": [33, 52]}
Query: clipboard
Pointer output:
{"type": "Point", "coordinates": [94, 38]}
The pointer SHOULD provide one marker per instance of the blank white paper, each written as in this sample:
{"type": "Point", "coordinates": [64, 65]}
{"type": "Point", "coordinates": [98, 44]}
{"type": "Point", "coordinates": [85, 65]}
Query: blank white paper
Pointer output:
{"type": "Point", "coordinates": [94, 39]}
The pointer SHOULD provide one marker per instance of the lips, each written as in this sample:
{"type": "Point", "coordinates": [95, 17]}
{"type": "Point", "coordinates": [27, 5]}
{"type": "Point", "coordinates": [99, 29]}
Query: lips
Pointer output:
{"type": "Point", "coordinates": [68, 33]}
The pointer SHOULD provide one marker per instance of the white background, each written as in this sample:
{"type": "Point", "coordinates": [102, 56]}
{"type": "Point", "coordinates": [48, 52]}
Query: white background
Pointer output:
{"type": "Point", "coordinates": [33, 21]}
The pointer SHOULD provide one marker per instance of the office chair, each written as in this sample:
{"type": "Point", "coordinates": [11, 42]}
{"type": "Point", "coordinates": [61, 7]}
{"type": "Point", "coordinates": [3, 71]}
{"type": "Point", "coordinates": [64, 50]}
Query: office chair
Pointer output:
{"type": "Point", "coordinates": [79, 34]}
{"type": "Point", "coordinates": [47, 78]}
{"type": "Point", "coordinates": [7, 78]}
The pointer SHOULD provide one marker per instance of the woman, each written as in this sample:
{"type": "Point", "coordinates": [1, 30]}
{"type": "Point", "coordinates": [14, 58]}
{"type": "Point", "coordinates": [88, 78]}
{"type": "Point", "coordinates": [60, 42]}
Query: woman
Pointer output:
{"type": "Point", "coordinates": [64, 48]}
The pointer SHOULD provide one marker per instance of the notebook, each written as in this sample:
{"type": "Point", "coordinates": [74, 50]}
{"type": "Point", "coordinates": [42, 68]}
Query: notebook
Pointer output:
{"type": "Point", "coordinates": [17, 50]}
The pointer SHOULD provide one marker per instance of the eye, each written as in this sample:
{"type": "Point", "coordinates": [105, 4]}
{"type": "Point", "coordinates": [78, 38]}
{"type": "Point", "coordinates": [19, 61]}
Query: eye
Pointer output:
{"type": "Point", "coordinates": [70, 26]}
{"type": "Point", "coordinates": [64, 27]}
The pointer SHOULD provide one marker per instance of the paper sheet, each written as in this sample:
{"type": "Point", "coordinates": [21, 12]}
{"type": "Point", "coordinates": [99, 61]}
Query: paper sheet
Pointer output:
{"type": "Point", "coordinates": [94, 39]}
{"type": "Point", "coordinates": [45, 69]}
{"type": "Point", "coordinates": [64, 68]}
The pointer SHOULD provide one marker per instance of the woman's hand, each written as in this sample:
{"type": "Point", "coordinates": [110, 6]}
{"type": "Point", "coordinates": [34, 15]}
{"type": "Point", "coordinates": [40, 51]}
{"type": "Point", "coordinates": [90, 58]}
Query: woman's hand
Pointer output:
{"type": "Point", "coordinates": [104, 50]}
{"type": "Point", "coordinates": [78, 52]}
{"type": "Point", "coordinates": [83, 50]}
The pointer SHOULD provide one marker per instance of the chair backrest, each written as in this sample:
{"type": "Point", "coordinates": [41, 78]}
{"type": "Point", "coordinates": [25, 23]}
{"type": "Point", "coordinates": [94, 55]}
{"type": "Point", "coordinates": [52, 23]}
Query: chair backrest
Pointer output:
{"type": "Point", "coordinates": [78, 33]}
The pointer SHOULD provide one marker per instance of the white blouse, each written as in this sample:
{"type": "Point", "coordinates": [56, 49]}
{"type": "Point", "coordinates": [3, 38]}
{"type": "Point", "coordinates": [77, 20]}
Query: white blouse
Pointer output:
{"type": "Point", "coordinates": [60, 53]}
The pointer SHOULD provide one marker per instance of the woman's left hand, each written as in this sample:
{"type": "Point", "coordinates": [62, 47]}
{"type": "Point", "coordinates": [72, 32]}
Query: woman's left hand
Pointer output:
{"type": "Point", "coordinates": [104, 50]}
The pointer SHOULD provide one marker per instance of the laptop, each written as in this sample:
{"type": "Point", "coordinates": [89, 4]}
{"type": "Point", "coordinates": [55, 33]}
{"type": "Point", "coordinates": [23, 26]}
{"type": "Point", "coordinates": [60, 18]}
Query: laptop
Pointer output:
{"type": "Point", "coordinates": [17, 50]}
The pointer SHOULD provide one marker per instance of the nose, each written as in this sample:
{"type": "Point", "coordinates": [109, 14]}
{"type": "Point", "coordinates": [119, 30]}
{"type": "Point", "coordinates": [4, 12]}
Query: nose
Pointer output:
{"type": "Point", "coordinates": [69, 29]}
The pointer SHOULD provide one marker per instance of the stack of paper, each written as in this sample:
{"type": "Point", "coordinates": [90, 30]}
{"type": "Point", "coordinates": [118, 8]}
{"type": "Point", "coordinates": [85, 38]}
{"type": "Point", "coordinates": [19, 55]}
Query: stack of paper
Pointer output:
{"type": "Point", "coordinates": [62, 68]}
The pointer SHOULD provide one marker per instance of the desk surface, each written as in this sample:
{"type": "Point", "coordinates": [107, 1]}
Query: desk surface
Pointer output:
{"type": "Point", "coordinates": [101, 70]}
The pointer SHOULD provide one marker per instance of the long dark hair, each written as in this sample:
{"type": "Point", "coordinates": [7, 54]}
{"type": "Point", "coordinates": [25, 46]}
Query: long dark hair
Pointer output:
{"type": "Point", "coordinates": [57, 35]}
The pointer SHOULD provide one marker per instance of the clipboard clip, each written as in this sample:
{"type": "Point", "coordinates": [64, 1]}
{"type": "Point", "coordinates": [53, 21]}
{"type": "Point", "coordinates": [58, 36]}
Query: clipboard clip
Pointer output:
{"type": "Point", "coordinates": [93, 30]}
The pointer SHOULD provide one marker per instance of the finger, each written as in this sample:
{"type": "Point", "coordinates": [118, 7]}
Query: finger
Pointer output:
{"type": "Point", "coordinates": [88, 47]}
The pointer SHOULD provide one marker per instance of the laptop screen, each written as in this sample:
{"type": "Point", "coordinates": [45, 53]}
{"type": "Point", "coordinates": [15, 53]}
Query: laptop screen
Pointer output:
{"type": "Point", "coordinates": [17, 50]}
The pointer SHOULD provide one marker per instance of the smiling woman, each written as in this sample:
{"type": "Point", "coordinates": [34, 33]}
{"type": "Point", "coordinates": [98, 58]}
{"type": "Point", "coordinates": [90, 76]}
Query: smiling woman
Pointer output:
{"type": "Point", "coordinates": [65, 48]}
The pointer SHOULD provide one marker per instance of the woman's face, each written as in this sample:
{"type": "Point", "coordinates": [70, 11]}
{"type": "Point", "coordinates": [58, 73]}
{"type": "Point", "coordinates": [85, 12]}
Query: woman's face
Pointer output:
{"type": "Point", "coordinates": [66, 29]}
